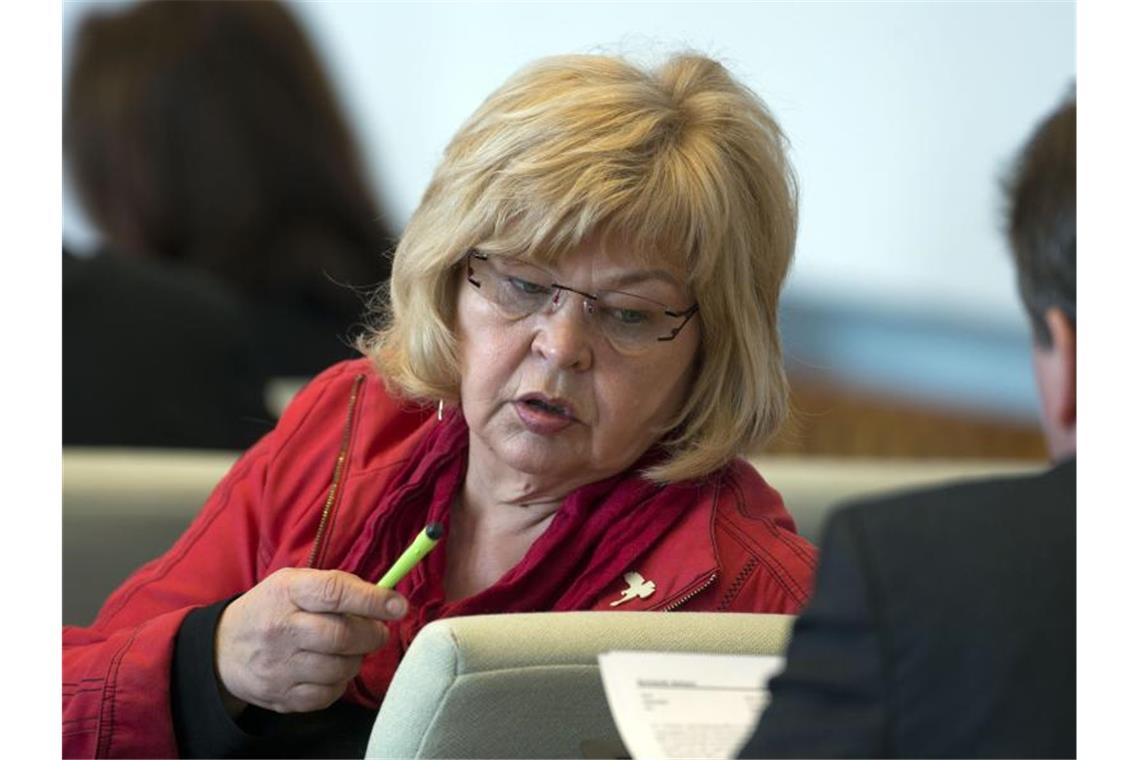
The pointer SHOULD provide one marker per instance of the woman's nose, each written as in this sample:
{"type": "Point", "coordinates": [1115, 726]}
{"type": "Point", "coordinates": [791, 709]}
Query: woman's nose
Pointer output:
{"type": "Point", "coordinates": [565, 332]}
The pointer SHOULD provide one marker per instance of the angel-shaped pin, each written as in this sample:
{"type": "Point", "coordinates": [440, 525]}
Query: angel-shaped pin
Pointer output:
{"type": "Point", "coordinates": [638, 588]}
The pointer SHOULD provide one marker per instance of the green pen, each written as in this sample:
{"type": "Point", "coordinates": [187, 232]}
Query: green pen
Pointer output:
{"type": "Point", "coordinates": [424, 543]}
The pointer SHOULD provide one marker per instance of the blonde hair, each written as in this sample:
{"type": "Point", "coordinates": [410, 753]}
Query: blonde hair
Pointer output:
{"type": "Point", "coordinates": [682, 161]}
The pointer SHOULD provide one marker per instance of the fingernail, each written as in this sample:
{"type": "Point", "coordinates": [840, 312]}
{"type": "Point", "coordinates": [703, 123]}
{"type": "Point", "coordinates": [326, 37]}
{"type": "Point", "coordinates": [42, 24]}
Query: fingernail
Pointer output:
{"type": "Point", "coordinates": [396, 606]}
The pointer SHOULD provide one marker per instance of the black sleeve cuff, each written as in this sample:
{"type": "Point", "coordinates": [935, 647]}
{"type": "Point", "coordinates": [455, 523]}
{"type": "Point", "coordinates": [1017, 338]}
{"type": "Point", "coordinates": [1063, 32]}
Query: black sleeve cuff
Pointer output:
{"type": "Point", "coordinates": [202, 727]}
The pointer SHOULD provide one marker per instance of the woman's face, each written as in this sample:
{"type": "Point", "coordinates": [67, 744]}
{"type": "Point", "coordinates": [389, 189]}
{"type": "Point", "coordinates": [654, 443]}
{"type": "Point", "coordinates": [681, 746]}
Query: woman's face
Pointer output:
{"type": "Point", "coordinates": [550, 396]}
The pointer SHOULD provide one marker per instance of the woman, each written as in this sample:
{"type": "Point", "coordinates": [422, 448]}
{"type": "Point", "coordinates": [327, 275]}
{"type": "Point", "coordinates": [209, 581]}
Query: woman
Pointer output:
{"type": "Point", "coordinates": [580, 340]}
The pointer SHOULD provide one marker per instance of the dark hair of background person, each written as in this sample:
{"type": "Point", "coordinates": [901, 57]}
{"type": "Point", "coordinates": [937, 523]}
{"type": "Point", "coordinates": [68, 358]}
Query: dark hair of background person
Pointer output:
{"type": "Point", "coordinates": [1041, 222]}
{"type": "Point", "coordinates": [207, 134]}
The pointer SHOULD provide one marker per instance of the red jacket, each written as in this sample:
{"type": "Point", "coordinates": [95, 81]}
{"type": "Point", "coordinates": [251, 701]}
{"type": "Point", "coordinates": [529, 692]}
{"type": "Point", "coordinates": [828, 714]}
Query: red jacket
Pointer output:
{"type": "Point", "coordinates": [302, 496]}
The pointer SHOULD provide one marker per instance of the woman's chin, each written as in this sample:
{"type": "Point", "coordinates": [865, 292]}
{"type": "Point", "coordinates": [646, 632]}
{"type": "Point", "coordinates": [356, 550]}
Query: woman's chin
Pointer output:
{"type": "Point", "coordinates": [554, 459]}
{"type": "Point", "coordinates": [536, 459]}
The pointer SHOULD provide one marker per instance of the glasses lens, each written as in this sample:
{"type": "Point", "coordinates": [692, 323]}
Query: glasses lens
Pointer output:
{"type": "Point", "coordinates": [631, 322]}
{"type": "Point", "coordinates": [516, 288]}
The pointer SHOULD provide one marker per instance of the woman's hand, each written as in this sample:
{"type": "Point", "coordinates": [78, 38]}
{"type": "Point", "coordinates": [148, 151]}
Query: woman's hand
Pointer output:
{"type": "Point", "coordinates": [294, 641]}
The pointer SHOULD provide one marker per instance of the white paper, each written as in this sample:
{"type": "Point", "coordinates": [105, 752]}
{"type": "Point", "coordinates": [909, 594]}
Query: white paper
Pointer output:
{"type": "Point", "coordinates": [683, 705]}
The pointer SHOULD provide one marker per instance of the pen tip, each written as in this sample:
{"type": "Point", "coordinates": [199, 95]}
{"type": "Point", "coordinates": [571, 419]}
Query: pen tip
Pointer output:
{"type": "Point", "coordinates": [434, 531]}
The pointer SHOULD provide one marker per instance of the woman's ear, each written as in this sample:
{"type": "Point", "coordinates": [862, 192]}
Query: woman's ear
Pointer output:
{"type": "Point", "coordinates": [1056, 369]}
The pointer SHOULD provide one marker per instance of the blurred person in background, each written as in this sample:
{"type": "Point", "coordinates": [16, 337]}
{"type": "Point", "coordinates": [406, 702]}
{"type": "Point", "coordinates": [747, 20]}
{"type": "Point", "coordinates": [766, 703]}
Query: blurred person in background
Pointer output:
{"type": "Point", "coordinates": [207, 147]}
{"type": "Point", "coordinates": [155, 356]}
{"type": "Point", "coordinates": [944, 621]}
{"type": "Point", "coordinates": [579, 344]}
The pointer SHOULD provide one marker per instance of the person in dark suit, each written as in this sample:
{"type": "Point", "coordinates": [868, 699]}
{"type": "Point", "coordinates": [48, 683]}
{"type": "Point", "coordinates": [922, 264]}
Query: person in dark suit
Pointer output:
{"type": "Point", "coordinates": [943, 622]}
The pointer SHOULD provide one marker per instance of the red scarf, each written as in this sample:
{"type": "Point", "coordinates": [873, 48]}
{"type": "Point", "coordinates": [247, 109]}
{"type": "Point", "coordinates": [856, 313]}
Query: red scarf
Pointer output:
{"type": "Point", "coordinates": [598, 534]}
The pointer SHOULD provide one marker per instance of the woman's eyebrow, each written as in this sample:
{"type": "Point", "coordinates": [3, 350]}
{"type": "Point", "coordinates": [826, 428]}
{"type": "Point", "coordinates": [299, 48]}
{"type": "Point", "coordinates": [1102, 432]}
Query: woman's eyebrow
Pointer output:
{"type": "Point", "coordinates": [643, 275]}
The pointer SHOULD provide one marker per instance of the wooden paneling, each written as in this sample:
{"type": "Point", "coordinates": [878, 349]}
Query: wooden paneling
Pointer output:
{"type": "Point", "coordinates": [828, 419]}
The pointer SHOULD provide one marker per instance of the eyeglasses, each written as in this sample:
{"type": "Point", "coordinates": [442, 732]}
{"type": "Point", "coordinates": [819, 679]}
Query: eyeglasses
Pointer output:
{"type": "Point", "coordinates": [631, 323]}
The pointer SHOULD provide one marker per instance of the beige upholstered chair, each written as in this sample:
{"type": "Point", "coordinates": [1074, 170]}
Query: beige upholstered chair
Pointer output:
{"type": "Point", "coordinates": [527, 685]}
{"type": "Point", "coordinates": [122, 507]}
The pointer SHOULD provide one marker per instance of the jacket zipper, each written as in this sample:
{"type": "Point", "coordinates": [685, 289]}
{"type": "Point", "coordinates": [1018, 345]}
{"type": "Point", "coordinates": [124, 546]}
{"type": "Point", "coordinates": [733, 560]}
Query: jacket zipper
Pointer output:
{"type": "Point", "coordinates": [338, 472]}
{"type": "Point", "coordinates": [690, 595]}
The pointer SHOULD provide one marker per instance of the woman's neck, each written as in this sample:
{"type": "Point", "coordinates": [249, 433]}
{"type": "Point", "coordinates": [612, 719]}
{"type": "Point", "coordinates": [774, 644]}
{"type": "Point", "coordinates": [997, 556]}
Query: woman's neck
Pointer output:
{"type": "Point", "coordinates": [491, 483]}
{"type": "Point", "coordinates": [486, 540]}
{"type": "Point", "coordinates": [495, 519]}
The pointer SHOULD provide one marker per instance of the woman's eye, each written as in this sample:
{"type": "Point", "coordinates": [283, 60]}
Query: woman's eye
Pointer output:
{"type": "Point", "coordinates": [527, 287]}
{"type": "Point", "coordinates": [630, 316]}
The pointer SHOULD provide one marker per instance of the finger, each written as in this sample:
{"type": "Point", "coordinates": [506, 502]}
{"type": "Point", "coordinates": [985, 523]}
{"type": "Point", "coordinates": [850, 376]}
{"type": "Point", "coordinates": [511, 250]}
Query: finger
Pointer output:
{"type": "Point", "coordinates": [330, 633]}
{"type": "Point", "coordinates": [337, 591]}
{"type": "Point", "coordinates": [323, 669]}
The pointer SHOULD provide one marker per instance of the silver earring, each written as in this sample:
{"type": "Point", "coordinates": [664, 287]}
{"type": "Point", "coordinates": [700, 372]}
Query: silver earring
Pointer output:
{"type": "Point", "coordinates": [439, 410]}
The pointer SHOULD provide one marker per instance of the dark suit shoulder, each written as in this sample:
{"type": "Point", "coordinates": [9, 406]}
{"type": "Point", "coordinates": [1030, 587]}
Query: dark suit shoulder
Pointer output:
{"type": "Point", "coordinates": [973, 587]}
{"type": "Point", "coordinates": [1006, 543]}
{"type": "Point", "coordinates": [992, 515]}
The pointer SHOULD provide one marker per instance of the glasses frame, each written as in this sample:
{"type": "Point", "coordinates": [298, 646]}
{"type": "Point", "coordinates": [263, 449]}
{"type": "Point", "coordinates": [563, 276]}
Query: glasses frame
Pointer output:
{"type": "Point", "coordinates": [684, 315]}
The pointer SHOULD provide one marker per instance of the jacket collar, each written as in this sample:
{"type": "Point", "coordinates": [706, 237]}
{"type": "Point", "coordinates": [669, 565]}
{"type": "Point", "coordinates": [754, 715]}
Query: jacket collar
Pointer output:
{"type": "Point", "coordinates": [680, 565]}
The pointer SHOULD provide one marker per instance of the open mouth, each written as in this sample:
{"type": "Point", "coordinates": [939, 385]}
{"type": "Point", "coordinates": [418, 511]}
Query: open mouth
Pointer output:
{"type": "Point", "coordinates": [548, 407]}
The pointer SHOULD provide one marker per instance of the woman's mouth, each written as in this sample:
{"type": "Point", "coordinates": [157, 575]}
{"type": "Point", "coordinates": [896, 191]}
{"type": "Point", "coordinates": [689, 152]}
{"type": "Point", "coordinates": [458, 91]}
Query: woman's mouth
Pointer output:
{"type": "Point", "coordinates": [538, 403]}
{"type": "Point", "coordinates": [544, 415]}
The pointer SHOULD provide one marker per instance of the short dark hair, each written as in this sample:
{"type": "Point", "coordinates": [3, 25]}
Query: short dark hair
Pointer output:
{"type": "Point", "coordinates": [1041, 218]}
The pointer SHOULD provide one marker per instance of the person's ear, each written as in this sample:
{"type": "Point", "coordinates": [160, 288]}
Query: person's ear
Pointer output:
{"type": "Point", "coordinates": [1056, 367]}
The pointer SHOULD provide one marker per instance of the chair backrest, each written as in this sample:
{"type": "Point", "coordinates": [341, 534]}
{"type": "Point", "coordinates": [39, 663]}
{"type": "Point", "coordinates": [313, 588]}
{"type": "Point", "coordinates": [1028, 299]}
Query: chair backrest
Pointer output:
{"type": "Point", "coordinates": [527, 685]}
{"type": "Point", "coordinates": [123, 507]}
